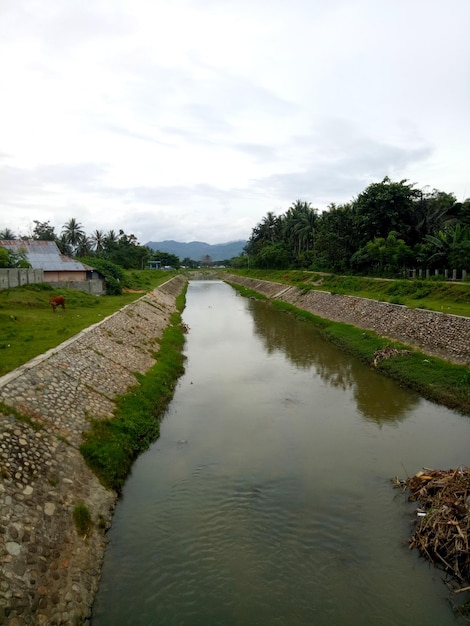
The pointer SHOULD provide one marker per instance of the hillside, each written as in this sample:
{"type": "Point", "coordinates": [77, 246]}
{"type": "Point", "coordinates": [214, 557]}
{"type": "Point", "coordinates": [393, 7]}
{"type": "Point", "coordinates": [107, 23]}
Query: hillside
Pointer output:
{"type": "Point", "coordinates": [195, 250]}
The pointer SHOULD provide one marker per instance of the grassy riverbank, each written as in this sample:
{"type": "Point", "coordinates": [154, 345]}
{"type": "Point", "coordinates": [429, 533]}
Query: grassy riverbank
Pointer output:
{"type": "Point", "coordinates": [28, 327]}
{"type": "Point", "coordinates": [446, 297]}
{"type": "Point", "coordinates": [433, 378]}
{"type": "Point", "coordinates": [111, 445]}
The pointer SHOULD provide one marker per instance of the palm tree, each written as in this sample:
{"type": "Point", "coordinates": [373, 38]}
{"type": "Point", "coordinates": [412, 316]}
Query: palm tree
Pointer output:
{"type": "Point", "coordinates": [432, 212]}
{"type": "Point", "coordinates": [299, 224]}
{"type": "Point", "coordinates": [6, 233]}
{"type": "Point", "coordinates": [305, 226]}
{"type": "Point", "coordinates": [451, 244]}
{"type": "Point", "coordinates": [110, 241]}
{"type": "Point", "coordinates": [84, 246]}
{"type": "Point", "coordinates": [269, 226]}
{"type": "Point", "coordinates": [73, 232]}
{"type": "Point", "coordinates": [98, 239]}
{"type": "Point", "coordinates": [64, 245]}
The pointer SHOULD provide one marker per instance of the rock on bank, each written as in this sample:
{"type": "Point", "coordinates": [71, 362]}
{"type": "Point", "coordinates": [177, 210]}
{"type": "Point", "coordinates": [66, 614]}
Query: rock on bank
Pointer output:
{"type": "Point", "coordinates": [50, 574]}
{"type": "Point", "coordinates": [439, 334]}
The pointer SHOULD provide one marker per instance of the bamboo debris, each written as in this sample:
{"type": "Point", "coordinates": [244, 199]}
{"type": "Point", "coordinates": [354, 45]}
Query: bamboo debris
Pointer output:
{"type": "Point", "coordinates": [442, 532]}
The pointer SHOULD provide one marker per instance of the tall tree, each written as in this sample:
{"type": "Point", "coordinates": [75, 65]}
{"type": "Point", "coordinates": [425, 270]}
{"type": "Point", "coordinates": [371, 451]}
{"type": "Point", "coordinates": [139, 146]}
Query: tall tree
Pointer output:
{"type": "Point", "coordinates": [335, 240]}
{"type": "Point", "coordinates": [462, 211]}
{"type": "Point", "coordinates": [98, 240]}
{"type": "Point", "coordinates": [385, 207]}
{"type": "Point", "coordinates": [84, 246]}
{"type": "Point", "coordinates": [64, 245]}
{"type": "Point", "coordinates": [73, 232]}
{"type": "Point", "coordinates": [110, 242]}
{"type": "Point", "coordinates": [431, 213]}
{"type": "Point", "coordinates": [43, 231]}
{"type": "Point", "coordinates": [6, 234]}
{"type": "Point", "coordinates": [299, 228]}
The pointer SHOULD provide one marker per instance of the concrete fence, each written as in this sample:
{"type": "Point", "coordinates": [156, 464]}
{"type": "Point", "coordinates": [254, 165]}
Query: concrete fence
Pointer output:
{"type": "Point", "coordinates": [96, 287]}
{"type": "Point", "coordinates": [445, 274]}
{"type": "Point", "coordinates": [17, 276]}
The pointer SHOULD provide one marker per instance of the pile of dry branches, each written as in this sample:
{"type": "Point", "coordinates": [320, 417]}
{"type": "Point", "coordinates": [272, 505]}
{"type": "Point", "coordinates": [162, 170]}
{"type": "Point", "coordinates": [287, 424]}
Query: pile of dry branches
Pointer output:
{"type": "Point", "coordinates": [444, 519]}
{"type": "Point", "coordinates": [387, 353]}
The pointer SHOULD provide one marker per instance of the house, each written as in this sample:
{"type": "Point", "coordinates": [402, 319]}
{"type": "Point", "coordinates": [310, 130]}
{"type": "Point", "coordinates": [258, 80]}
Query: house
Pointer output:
{"type": "Point", "coordinates": [58, 269]}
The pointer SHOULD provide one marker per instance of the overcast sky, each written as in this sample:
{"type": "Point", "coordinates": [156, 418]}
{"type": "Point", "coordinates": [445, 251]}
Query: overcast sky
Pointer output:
{"type": "Point", "coordinates": [191, 119]}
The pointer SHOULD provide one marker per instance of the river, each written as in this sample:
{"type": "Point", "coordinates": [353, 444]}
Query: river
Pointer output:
{"type": "Point", "coordinates": [267, 498]}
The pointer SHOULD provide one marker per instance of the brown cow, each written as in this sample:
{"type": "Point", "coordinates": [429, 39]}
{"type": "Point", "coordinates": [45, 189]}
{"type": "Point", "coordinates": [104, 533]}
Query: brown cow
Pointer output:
{"type": "Point", "coordinates": [56, 301]}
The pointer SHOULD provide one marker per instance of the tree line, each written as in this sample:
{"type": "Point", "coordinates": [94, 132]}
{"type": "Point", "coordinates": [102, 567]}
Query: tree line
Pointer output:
{"type": "Point", "coordinates": [113, 247]}
{"type": "Point", "coordinates": [390, 226]}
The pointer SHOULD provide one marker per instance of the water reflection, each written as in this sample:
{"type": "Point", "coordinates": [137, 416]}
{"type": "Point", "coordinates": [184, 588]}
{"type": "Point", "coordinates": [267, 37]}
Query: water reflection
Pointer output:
{"type": "Point", "coordinates": [267, 498]}
{"type": "Point", "coordinates": [375, 395]}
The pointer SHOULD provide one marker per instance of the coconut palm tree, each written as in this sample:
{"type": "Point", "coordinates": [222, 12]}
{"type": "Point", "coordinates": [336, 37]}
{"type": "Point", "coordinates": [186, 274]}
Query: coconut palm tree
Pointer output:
{"type": "Point", "coordinates": [6, 233]}
{"type": "Point", "coordinates": [73, 232]}
{"type": "Point", "coordinates": [299, 223]}
{"type": "Point", "coordinates": [64, 245]}
{"type": "Point", "coordinates": [110, 241]}
{"type": "Point", "coordinates": [98, 239]}
{"type": "Point", "coordinates": [304, 228]}
{"type": "Point", "coordinates": [84, 247]}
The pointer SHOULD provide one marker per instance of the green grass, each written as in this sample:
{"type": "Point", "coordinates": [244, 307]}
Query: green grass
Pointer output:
{"type": "Point", "coordinates": [28, 327]}
{"type": "Point", "coordinates": [112, 445]}
{"type": "Point", "coordinates": [434, 379]}
{"type": "Point", "coordinates": [82, 519]}
{"type": "Point", "coordinates": [435, 295]}
{"type": "Point", "coordinates": [146, 279]}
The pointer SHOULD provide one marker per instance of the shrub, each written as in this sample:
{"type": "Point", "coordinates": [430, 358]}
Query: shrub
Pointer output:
{"type": "Point", "coordinates": [82, 519]}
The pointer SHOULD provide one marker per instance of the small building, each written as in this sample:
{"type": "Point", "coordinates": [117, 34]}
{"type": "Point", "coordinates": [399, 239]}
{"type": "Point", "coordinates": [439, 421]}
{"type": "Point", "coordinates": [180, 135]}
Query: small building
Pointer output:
{"type": "Point", "coordinates": [154, 265]}
{"type": "Point", "coordinates": [59, 269]}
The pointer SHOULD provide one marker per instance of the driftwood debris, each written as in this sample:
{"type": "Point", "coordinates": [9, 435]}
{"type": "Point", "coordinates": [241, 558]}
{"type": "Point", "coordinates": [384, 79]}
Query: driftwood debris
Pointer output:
{"type": "Point", "coordinates": [387, 353]}
{"type": "Point", "coordinates": [442, 532]}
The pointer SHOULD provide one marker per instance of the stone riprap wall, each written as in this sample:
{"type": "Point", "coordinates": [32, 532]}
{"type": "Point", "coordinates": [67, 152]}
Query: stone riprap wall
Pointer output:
{"type": "Point", "coordinates": [438, 334]}
{"type": "Point", "coordinates": [49, 574]}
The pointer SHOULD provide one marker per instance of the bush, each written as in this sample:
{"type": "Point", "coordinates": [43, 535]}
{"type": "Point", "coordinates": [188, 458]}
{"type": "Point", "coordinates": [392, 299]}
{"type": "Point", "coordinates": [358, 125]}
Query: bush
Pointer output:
{"type": "Point", "coordinates": [113, 286]}
{"type": "Point", "coordinates": [82, 519]}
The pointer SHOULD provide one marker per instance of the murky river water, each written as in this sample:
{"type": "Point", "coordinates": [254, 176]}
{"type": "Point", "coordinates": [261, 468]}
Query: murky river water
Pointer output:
{"type": "Point", "coordinates": [267, 499]}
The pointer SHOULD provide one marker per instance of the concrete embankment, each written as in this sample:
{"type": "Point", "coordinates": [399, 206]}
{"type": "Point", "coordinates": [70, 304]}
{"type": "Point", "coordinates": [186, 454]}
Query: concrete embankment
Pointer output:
{"type": "Point", "coordinates": [437, 334]}
{"type": "Point", "coordinates": [50, 574]}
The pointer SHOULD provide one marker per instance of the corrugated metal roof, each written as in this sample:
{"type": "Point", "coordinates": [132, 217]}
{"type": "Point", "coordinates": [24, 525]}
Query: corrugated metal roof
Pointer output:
{"type": "Point", "coordinates": [44, 255]}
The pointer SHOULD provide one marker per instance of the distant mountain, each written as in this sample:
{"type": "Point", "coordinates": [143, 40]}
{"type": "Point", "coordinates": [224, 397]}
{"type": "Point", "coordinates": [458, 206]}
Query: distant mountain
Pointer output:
{"type": "Point", "coordinates": [195, 250]}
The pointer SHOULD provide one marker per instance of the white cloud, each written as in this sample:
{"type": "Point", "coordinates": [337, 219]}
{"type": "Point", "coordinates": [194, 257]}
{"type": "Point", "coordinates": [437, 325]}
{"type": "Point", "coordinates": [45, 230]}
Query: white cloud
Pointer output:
{"type": "Point", "coordinates": [191, 119]}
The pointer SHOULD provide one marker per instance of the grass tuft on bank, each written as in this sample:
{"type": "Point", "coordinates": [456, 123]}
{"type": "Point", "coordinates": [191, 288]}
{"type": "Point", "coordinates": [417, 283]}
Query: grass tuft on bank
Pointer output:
{"type": "Point", "coordinates": [248, 293]}
{"type": "Point", "coordinates": [435, 379]}
{"type": "Point", "coordinates": [111, 445]}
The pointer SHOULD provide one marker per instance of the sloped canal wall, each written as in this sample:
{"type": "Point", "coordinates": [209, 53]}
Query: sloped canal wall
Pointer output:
{"type": "Point", "coordinates": [438, 334]}
{"type": "Point", "coordinates": [49, 574]}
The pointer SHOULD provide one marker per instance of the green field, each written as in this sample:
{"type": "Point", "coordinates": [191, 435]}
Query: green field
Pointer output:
{"type": "Point", "coordinates": [28, 326]}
